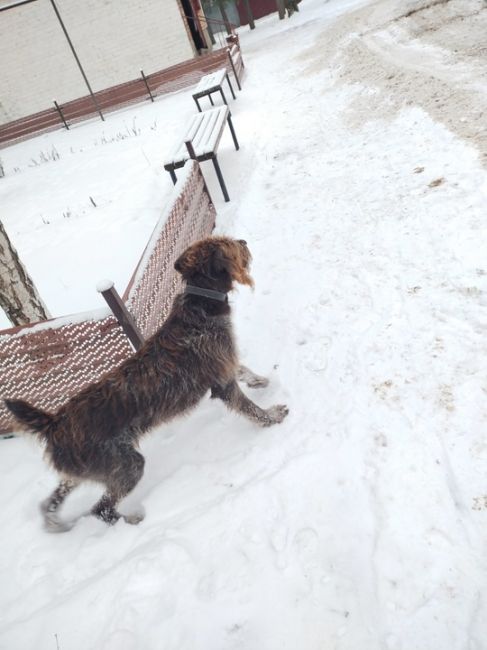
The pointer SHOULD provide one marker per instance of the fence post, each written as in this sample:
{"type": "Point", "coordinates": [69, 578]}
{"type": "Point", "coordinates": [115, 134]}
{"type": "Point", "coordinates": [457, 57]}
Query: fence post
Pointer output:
{"type": "Point", "coordinates": [147, 85]}
{"type": "Point", "coordinates": [121, 313]}
{"type": "Point", "coordinates": [63, 27]}
{"type": "Point", "coordinates": [61, 114]}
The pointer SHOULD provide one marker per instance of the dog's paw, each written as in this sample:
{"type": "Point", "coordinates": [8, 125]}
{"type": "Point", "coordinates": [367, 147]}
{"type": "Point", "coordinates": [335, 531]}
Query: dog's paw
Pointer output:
{"type": "Point", "coordinates": [53, 524]}
{"type": "Point", "coordinates": [275, 414]}
{"type": "Point", "coordinates": [134, 518]}
{"type": "Point", "coordinates": [250, 379]}
{"type": "Point", "coordinates": [44, 506]}
{"type": "Point", "coordinates": [257, 382]}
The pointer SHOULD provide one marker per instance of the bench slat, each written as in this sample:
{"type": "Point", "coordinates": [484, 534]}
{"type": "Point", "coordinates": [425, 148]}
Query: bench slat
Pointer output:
{"type": "Point", "coordinates": [204, 131]}
{"type": "Point", "coordinates": [208, 132]}
{"type": "Point", "coordinates": [212, 80]}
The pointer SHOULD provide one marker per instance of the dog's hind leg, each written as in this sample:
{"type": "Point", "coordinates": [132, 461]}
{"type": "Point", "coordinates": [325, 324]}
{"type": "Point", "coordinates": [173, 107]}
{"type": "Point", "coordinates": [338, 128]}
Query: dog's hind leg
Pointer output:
{"type": "Point", "coordinates": [120, 482]}
{"type": "Point", "coordinates": [233, 397]}
{"type": "Point", "coordinates": [250, 378]}
{"type": "Point", "coordinates": [51, 505]}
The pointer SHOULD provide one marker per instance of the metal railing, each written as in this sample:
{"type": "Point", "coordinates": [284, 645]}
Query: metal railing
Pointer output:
{"type": "Point", "coordinates": [146, 87]}
{"type": "Point", "coordinates": [218, 30]}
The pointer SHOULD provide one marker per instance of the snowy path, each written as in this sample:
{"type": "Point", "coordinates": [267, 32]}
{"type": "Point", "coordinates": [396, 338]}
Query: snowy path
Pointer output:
{"type": "Point", "coordinates": [361, 522]}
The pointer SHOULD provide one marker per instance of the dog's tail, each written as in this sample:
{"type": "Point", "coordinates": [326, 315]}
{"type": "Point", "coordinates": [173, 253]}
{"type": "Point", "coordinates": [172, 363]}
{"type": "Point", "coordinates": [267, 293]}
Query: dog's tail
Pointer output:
{"type": "Point", "coordinates": [29, 416]}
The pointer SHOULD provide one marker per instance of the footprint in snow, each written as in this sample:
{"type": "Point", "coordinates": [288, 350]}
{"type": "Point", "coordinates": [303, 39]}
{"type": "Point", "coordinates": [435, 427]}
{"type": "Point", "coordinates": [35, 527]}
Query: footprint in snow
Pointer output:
{"type": "Point", "coordinates": [307, 544]}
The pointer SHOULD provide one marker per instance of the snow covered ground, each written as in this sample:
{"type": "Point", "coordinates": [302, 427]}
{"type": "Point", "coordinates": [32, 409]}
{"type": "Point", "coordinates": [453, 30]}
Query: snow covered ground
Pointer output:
{"type": "Point", "coordinates": [361, 521]}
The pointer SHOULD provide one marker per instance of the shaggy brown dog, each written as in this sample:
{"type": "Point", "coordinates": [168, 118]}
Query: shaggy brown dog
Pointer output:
{"type": "Point", "coordinates": [94, 435]}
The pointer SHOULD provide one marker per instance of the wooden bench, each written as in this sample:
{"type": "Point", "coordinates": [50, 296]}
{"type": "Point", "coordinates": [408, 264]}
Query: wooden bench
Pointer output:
{"type": "Point", "coordinates": [200, 142]}
{"type": "Point", "coordinates": [212, 83]}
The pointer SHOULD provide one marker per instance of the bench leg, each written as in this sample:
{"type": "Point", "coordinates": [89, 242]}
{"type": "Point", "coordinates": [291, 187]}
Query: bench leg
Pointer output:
{"type": "Point", "coordinates": [223, 96]}
{"type": "Point", "coordinates": [220, 179]}
{"type": "Point", "coordinates": [230, 86]}
{"type": "Point", "coordinates": [173, 176]}
{"type": "Point", "coordinates": [232, 131]}
{"type": "Point", "coordinates": [197, 104]}
{"type": "Point", "coordinates": [211, 99]}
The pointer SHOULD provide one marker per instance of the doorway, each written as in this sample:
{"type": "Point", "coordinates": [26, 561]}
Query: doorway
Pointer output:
{"type": "Point", "coordinates": [193, 25]}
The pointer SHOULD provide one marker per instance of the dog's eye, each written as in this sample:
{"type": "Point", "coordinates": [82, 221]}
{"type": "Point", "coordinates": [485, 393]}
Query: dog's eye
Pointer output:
{"type": "Point", "coordinates": [242, 241]}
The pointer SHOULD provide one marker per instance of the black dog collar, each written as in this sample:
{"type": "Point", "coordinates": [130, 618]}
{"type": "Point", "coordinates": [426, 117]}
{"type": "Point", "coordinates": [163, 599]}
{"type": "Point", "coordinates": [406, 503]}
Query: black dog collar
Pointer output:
{"type": "Point", "coordinates": [206, 293]}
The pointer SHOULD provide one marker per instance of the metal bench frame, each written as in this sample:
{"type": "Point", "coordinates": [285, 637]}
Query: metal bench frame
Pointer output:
{"type": "Point", "coordinates": [236, 61]}
{"type": "Point", "coordinates": [195, 133]}
{"type": "Point", "coordinates": [213, 88]}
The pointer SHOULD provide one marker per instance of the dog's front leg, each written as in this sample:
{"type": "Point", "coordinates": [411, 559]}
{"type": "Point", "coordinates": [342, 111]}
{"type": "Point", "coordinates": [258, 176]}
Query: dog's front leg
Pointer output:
{"type": "Point", "coordinates": [237, 401]}
{"type": "Point", "coordinates": [250, 378]}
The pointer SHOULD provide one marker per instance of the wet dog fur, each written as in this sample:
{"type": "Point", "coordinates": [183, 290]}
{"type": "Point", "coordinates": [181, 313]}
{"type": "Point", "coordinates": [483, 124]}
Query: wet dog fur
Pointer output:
{"type": "Point", "coordinates": [94, 436]}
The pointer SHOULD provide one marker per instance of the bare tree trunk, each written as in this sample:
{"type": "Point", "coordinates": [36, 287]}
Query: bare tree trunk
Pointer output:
{"type": "Point", "coordinates": [18, 295]}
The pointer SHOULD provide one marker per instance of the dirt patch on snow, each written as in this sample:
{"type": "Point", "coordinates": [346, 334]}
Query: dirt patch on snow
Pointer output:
{"type": "Point", "coordinates": [429, 53]}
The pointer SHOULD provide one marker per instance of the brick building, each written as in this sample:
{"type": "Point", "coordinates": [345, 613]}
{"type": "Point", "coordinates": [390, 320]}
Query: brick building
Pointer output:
{"type": "Point", "coordinates": [114, 40]}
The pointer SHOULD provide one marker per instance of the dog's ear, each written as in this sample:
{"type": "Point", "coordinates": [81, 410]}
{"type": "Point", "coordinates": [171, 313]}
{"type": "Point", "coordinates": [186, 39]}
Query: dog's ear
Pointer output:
{"type": "Point", "coordinates": [186, 261]}
{"type": "Point", "coordinates": [178, 264]}
{"type": "Point", "coordinates": [218, 259]}
{"type": "Point", "coordinates": [210, 261]}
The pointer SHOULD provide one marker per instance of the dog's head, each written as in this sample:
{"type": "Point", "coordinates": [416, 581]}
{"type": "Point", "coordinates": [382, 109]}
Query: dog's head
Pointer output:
{"type": "Point", "coordinates": [216, 263]}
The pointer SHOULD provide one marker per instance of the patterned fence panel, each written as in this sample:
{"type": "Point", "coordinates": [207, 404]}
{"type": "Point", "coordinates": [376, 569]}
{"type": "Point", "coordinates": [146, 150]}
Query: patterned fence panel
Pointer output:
{"type": "Point", "coordinates": [187, 74]}
{"type": "Point", "coordinates": [49, 362]}
{"type": "Point", "coordinates": [155, 283]}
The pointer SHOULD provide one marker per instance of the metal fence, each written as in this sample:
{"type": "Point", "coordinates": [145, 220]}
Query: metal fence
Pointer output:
{"type": "Point", "coordinates": [146, 87]}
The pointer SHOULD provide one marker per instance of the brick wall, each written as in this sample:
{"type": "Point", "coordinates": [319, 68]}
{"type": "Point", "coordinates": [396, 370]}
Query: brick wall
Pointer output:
{"type": "Point", "coordinates": [114, 39]}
